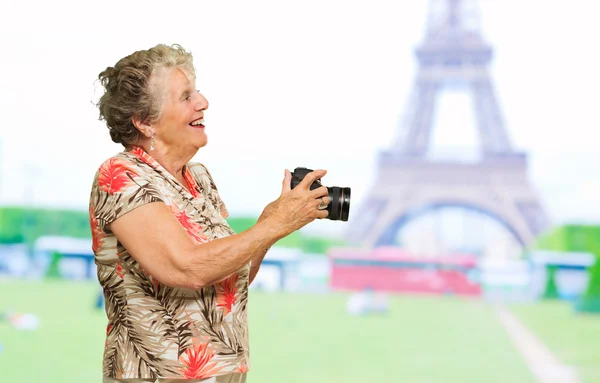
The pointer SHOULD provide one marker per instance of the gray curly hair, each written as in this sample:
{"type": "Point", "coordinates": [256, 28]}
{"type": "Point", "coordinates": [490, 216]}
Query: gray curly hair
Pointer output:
{"type": "Point", "coordinates": [129, 93]}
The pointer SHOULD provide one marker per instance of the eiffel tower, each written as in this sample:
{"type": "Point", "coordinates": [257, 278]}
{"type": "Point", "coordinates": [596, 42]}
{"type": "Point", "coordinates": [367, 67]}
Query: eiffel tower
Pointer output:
{"type": "Point", "coordinates": [409, 182]}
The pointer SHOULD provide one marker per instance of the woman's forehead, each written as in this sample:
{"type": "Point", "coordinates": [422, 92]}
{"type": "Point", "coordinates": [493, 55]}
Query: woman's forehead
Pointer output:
{"type": "Point", "coordinates": [173, 80]}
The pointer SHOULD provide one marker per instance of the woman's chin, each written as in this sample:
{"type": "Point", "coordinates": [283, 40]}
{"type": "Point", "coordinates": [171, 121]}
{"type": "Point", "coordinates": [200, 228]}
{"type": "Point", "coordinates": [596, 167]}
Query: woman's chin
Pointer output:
{"type": "Point", "coordinates": [201, 143]}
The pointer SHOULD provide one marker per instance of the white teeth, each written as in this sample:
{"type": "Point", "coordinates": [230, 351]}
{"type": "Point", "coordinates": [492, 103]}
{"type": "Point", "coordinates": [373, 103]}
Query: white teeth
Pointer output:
{"type": "Point", "coordinates": [198, 122]}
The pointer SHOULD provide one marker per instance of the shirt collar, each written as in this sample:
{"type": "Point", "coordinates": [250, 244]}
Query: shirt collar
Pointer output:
{"type": "Point", "coordinates": [194, 189]}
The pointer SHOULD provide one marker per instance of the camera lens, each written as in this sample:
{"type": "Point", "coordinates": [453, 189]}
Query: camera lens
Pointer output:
{"type": "Point", "coordinates": [339, 205]}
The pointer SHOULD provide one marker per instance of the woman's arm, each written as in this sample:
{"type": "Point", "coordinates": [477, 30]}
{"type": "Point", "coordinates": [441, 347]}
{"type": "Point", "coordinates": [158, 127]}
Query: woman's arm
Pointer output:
{"type": "Point", "coordinates": [258, 258]}
{"type": "Point", "coordinates": [154, 237]}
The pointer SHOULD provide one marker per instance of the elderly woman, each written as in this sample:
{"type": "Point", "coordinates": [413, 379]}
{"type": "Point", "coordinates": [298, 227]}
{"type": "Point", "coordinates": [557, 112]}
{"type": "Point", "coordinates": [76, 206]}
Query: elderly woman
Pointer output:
{"type": "Point", "coordinates": [174, 274]}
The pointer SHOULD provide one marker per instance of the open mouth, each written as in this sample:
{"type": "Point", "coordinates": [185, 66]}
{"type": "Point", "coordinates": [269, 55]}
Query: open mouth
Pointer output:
{"type": "Point", "coordinates": [199, 123]}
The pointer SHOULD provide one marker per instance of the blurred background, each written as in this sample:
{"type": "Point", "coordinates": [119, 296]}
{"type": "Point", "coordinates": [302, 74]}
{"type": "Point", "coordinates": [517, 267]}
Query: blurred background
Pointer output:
{"type": "Point", "coordinates": [467, 131]}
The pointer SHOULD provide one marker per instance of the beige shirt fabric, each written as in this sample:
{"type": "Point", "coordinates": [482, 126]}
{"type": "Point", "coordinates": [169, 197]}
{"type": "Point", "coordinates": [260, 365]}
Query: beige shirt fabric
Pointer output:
{"type": "Point", "coordinates": [229, 378]}
{"type": "Point", "coordinates": [157, 331]}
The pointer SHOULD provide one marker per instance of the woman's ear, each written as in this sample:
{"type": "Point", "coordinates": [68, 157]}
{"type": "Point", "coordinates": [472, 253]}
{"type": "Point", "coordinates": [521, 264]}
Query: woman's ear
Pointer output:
{"type": "Point", "coordinates": [142, 127]}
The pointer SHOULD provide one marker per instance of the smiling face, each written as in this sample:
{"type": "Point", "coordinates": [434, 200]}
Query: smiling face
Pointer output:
{"type": "Point", "coordinates": [180, 127]}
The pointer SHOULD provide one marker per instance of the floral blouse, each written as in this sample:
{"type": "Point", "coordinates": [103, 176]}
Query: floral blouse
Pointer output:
{"type": "Point", "coordinates": [154, 330]}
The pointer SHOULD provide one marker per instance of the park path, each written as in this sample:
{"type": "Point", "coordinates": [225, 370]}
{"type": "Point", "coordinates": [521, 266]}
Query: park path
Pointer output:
{"type": "Point", "coordinates": [545, 366]}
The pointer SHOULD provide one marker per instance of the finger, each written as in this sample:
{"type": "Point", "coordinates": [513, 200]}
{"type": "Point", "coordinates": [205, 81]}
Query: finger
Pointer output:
{"type": "Point", "coordinates": [322, 214]}
{"type": "Point", "coordinates": [286, 184]}
{"type": "Point", "coordinates": [319, 192]}
{"type": "Point", "coordinates": [312, 177]}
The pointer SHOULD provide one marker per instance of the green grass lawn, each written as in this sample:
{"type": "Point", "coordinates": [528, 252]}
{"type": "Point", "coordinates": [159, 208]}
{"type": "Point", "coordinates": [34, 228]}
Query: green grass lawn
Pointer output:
{"type": "Point", "coordinates": [573, 337]}
{"type": "Point", "coordinates": [307, 338]}
{"type": "Point", "coordinates": [294, 338]}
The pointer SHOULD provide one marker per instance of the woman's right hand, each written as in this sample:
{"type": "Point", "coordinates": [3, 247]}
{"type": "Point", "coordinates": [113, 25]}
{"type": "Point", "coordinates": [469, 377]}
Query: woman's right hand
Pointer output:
{"type": "Point", "coordinates": [297, 207]}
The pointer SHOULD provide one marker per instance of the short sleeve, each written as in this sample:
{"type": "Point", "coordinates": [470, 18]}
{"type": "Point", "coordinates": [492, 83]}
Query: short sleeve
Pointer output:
{"type": "Point", "coordinates": [208, 187]}
{"type": "Point", "coordinates": [119, 186]}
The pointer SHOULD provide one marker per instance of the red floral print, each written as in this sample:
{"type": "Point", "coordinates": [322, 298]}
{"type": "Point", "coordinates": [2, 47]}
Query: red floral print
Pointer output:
{"type": "Point", "coordinates": [191, 183]}
{"type": "Point", "coordinates": [226, 292]}
{"type": "Point", "coordinates": [97, 233]}
{"type": "Point", "coordinates": [119, 270]}
{"type": "Point", "coordinates": [115, 175]}
{"type": "Point", "coordinates": [197, 362]}
{"type": "Point", "coordinates": [243, 367]}
{"type": "Point", "coordinates": [192, 228]}
{"type": "Point", "coordinates": [141, 154]}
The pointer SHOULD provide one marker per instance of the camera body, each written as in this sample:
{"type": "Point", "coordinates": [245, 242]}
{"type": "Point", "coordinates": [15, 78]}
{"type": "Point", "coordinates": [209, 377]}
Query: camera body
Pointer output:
{"type": "Point", "coordinates": [339, 197]}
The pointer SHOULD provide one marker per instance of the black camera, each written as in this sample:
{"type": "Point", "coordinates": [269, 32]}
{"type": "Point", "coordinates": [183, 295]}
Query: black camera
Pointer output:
{"type": "Point", "coordinates": [339, 197]}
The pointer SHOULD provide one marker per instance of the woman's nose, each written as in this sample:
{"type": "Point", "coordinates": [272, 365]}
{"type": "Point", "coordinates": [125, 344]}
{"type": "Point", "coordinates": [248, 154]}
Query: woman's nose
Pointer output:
{"type": "Point", "coordinates": [201, 103]}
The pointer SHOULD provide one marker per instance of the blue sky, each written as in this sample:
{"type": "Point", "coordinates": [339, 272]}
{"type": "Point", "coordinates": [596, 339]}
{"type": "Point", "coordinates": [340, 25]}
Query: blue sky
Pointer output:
{"type": "Point", "coordinates": [310, 83]}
